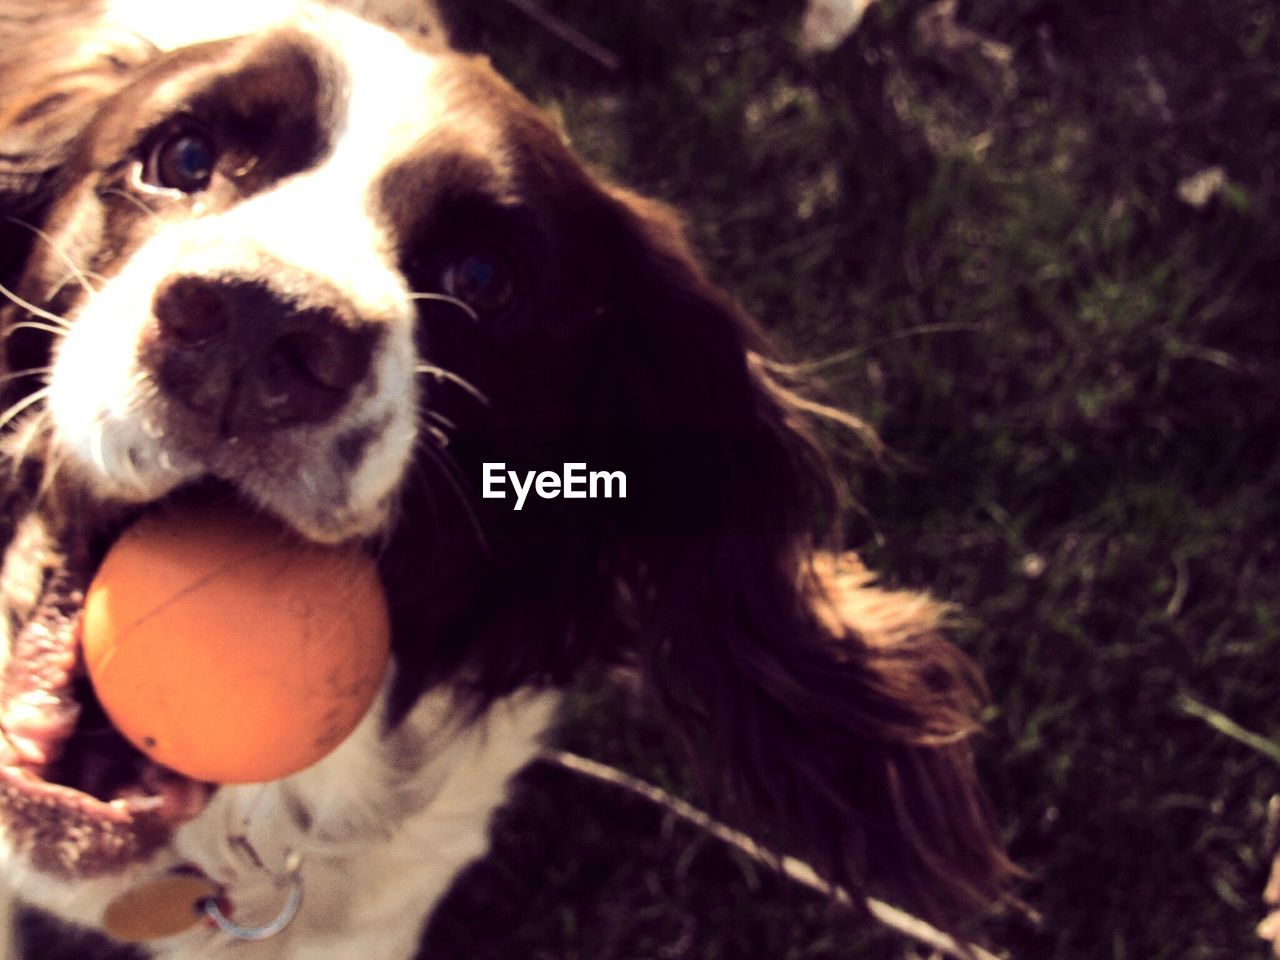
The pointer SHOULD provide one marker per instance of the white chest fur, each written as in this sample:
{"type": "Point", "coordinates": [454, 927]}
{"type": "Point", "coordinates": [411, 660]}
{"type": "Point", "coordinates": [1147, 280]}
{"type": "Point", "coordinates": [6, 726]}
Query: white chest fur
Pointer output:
{"type": "Point", "coordinates": [383, 825]}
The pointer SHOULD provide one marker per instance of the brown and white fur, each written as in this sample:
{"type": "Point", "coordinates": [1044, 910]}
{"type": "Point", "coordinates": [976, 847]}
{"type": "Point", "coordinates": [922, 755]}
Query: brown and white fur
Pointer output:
{"type": "Point", "coordinates": [257, 332]}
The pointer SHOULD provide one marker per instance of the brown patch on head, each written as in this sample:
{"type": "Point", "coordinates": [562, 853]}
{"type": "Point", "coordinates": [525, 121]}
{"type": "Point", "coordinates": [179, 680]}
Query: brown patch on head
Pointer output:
{"type": "Point", "coordinates": [492, 182]}
{"type": "Point", "coordinates": [465, 155]}
{"type": "Point", "coordinates": [491, 144]}
{"type": "Point", "coordinates": [268, 104]}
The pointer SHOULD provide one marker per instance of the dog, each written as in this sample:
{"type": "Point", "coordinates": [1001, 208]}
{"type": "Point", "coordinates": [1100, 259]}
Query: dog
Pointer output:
{"type": "Point", "coordinates": [309, 260]}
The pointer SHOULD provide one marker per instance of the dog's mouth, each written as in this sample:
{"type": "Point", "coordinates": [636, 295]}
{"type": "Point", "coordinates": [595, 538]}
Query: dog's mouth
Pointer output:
{"type": "Point", "coordinates": [59, 741]}
{"type": "Point", "coordinates": [74, 792]}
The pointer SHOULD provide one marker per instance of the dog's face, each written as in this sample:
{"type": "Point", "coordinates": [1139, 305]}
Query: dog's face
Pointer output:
{"type": "Point", "coordinates": [239, 253]}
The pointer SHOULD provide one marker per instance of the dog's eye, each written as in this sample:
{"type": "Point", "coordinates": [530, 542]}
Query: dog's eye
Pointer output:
{"type": "Point", "coordinates": [184, 161]}
{"type": "Point", "coordinates": [485, 279]}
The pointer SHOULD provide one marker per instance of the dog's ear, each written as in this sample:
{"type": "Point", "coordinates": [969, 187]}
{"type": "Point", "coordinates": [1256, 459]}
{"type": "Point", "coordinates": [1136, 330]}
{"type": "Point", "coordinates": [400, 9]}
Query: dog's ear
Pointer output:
{"type": "Point", "coordinates": [830, 711]}
{"type": "Point", "coordinates": [56, 66]}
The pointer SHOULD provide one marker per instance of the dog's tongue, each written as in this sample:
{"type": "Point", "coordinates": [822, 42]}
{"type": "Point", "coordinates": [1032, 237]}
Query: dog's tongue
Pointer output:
{"type": "Point", "coordinates": [37, 709]}
{"type": "Point", "coordinates": [75, 798]}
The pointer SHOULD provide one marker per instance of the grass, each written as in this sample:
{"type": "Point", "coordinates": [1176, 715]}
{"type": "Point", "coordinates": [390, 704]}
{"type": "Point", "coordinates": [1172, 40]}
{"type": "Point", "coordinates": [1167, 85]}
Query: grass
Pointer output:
{"type": "Point", "coordinates": [1081, 374]}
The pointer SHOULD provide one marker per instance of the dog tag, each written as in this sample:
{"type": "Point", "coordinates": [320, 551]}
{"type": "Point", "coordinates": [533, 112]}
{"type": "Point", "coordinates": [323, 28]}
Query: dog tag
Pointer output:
{"type": "Point", "coordinates": [161, 907]}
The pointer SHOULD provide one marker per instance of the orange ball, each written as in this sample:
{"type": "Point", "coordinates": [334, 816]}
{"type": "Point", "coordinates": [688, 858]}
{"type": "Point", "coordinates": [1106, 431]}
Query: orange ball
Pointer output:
{"type": "Point", "coordinates": [225, 648]}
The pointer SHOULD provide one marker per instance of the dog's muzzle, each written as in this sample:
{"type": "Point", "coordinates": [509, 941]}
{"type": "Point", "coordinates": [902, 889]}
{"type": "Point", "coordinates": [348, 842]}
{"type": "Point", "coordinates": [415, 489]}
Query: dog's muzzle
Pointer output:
{"type": "Point", "coordinates": [246, 358]}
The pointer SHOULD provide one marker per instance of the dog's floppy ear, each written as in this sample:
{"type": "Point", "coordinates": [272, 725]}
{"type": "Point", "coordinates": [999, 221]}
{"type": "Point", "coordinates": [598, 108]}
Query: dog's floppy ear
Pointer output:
{"type": "Point", "coordinates": [56, 66]}
{"type": "Point", "coordinates": [829, 710]}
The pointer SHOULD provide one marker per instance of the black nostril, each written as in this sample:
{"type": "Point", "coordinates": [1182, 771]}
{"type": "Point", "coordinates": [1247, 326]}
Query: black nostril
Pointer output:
{"type": "Point", "coordinates": [330, 354]}
{"type": "Point", "coordinates": [191, 309]}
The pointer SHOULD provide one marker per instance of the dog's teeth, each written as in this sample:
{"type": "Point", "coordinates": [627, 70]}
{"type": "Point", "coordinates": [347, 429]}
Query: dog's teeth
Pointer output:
{"type": "Point", "coordinates": [28, 751]}
{"type": "Point", "coordinates": [36, 724]}
{"type": "Point", "coordinates": [34, 745]}
{"type": "Point", "coordinates": [39, 710]}
{"type": "Point", "coordinates": [138, 804]}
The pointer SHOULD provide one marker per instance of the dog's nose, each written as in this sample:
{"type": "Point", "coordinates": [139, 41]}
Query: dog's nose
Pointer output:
{"type": "Point", "coordinates": [251, 359]}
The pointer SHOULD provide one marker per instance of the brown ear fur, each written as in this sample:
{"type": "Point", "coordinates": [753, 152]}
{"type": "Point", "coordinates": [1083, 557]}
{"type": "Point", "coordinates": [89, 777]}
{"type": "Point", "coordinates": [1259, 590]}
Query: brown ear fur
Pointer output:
{"type": "Point", "coordinates": [830, 711]}
{"type": "Point", "coordinates": [55, 66]}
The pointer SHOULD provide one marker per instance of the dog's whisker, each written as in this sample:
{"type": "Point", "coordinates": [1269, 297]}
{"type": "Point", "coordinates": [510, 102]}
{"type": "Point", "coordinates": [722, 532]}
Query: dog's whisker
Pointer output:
{"type": "Point", "coordinates": [117, 192]}
{"type": "Point", "coordinates": [441, 438]}
{"type": "Point", "coordinates": [61, 285]}
{"type": "Point", "coordinates": [380, 542]}
{"type": "Point", "coordinates": [423, 483]}
{"type": "Point", "coordinates": [54, 460]}
{"type": "Point", "coordinates": [19, 444]}
{"type": "Point", "coordinates": [442, 420]}
{"type": "Point", "coordinates": [68, 277]}
{"type": "Point", "coordinates": [449, 468]}
{"type": "Point", "coordinates": [451, 301]}
{"type": "Point", "coordinates": [55, 464]}
{"type": "Point", "coordinates": [28, 401]}
{"type": "Point", "coordinates": [57, 331]}
{"type": "Point", "coordinates": [18, 375]}
{"type": "Point", "coordinates": [76, 273]}
{"type": "Point", "coordinates": [440, 373]}
{"type": "Point", "coordinates": [32, 309]}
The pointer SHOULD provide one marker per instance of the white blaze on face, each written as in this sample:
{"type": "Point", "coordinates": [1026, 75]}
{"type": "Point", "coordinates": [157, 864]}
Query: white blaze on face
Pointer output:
{"type": "Point", "coordinates": [170, 25]}
{"type": "Point", "coordinates": [321, 222]}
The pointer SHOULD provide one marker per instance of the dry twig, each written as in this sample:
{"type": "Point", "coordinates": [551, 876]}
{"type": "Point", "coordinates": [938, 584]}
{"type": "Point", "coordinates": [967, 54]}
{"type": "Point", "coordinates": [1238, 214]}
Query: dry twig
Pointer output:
{"type": "Point", "coordinates": [795, 869]}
